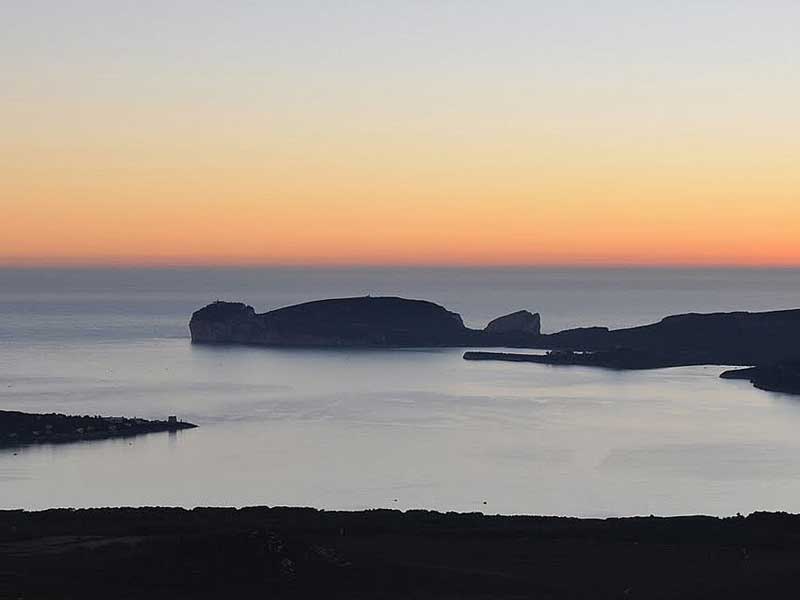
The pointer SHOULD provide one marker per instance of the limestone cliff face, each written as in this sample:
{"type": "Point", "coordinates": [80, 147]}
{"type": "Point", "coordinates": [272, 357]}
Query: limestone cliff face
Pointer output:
{"type": "Point", "coordinates": [738, 338]}
{"type": "Point", "coordinates": [522, 321]}
{"type": "Point", "coordinates": [226, 322]}
{"type": "Point", "coordinates": [367, 321]}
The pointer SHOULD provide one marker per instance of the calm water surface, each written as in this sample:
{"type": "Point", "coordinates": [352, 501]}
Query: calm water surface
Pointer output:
{"type": "Point", "coordinates": [394, 428]}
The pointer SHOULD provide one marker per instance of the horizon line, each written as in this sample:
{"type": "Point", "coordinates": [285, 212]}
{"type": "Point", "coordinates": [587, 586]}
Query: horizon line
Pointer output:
{"type": "Point", "coordinates": [189, 265]}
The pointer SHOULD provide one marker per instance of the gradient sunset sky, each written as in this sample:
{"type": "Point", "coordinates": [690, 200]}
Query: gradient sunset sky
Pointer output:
{"type": "Point", "coordinates": [406, 132]}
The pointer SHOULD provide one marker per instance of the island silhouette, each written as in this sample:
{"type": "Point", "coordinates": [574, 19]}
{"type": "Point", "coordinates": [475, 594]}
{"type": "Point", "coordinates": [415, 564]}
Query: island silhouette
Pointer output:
{"type": "Point", "coordinates": [764, 341]}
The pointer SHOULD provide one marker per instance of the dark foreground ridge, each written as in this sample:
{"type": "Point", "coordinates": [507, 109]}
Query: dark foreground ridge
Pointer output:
{"type": "Point", "coordinates": [19, 428]}
{"type": "Point", "coordinates": [173, 553]}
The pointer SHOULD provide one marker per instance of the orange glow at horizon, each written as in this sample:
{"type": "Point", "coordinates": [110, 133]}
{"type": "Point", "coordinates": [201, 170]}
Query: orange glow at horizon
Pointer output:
{"type": "Point", "coordinates": [568, 138]}
{"type": "Point", "coordinates": [441, 212]}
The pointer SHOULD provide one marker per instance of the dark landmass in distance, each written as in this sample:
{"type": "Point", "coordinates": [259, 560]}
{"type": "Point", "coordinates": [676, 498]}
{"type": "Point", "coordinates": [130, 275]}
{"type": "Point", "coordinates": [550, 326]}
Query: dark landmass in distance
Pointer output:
{"type": "Point", "coordinates": [764, 339]}
{"type": "Point", "coordinates": [19, 428]}
{"type": "Point", "coordinates": [781, 377]}
{"type": "Point", "coordinates": [354, 322]}
{"type": "Point", "coordinates": [172, 553]}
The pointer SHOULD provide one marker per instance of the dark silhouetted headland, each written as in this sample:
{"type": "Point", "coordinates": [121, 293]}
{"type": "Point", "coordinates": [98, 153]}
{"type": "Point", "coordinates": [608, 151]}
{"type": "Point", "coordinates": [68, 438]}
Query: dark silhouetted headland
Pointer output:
{"type": "Point", "coordinates": [352, 322]}
{"type": "Point", "coordinates": [780, 377]}
{"type": "Point", "coordinates": [767, 340]}
{"type": "Point", "coordinates": [736, 338]}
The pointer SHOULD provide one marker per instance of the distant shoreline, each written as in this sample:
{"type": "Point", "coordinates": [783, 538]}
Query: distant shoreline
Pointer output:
{"type": "Point", "coordinates": [20, 428]}
{"type": "Point", "coordinates": [767, 340]}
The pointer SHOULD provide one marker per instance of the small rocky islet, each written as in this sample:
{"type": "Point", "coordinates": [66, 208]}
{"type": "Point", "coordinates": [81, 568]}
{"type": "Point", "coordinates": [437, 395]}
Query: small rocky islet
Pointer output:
{"type": "Point", "coordinates": [765, 342]}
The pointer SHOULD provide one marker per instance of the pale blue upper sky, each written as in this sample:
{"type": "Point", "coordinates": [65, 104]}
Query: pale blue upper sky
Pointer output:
{"type": "Point", "coordinates": [664, 41]}
{"type": "Point", "coordinates": [613, 107]}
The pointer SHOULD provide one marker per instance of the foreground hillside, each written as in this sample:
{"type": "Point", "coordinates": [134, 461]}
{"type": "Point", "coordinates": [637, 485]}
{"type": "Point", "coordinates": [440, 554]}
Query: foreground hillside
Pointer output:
{"type": "Point", "coordinates": [293, 552]}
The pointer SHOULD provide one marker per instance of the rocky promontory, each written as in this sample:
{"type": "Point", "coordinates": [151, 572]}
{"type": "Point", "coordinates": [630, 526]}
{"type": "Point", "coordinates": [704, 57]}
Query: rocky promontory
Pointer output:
{"type": "Point", "coordinates": [734, 338]}
{"type": "Point", "coordinates": [780, 377]}
{"type": "Point", "coordinates": [368, 321]}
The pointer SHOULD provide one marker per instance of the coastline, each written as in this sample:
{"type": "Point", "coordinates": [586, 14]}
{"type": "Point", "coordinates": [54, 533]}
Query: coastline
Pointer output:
{"type": "Point", "coordinates": [20, 428]}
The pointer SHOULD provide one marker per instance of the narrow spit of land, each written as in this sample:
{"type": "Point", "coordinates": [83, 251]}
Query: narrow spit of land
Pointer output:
{"type": "Point", "coordinates": [781, 377]}
{"type": "Point", "coordinates": [20, 428]}
{"type": "Point", "coordinates": [305, 553]}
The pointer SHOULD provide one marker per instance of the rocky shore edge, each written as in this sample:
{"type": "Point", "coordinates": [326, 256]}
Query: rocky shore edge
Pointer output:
{"type": "Point", "coordinates": [783, 377]}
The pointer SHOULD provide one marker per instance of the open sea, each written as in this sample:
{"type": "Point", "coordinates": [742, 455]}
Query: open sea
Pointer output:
{"type": "Point", "coordinates": [353, 429]}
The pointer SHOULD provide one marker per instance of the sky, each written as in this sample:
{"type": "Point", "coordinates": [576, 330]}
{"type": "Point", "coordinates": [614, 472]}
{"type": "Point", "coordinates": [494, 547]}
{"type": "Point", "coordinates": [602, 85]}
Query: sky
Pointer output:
{"type": "Point", "coordinates": [407, 132]}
